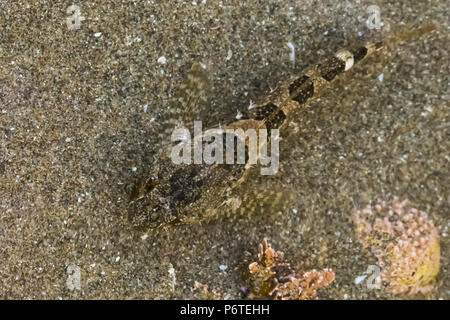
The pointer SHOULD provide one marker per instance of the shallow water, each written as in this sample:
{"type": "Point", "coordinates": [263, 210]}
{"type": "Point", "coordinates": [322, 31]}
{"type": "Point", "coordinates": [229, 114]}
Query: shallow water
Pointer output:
{"type": "Point", "coordinates": [83, 112]}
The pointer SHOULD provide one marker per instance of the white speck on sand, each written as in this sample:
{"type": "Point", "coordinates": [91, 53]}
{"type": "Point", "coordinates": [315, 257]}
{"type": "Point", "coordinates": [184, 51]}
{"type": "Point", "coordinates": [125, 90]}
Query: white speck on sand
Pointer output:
{"type": "Point", "coordinates": [359, 279]}
{"type": "Point", "coordinates": [144, 237]}
{"type": "Point", "coordinates": [381, 77]}
{"type": "Point", "coordinates": [229, 54]}
{"type": "Point", "coordinates": [292, 54]}
{"type": "Point", "coordinates": [223, 267]}
{"type": "Point", "coordinates": [162, 60]}
{"type": "Point", "coordinates": [97, 34]}
{"type": "Point", "coordinates": [171, 272]}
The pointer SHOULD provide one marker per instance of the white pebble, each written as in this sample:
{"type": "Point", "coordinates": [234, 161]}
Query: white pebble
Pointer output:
{"type": "Point", "coordinates": [292, 54]}
{"type": "Point", "coordinates": [144, 237]}
{"type": "Point", "coordinates": [97, 34]}
{"type": "Point", "coordinates": [359, 279]}
{"type": "Point", "coordinates": [162, 60]}
{"type": "Point", "coordinates": [223, 267]}
{"type": "Point", "coordinates": [229, 55]}
{"type": "Point", "coordinates": [381, 77]}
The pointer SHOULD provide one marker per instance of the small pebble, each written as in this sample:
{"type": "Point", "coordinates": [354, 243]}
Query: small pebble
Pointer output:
{"type": "Point", "coordinates": [144, 237]}
{"type": "Point", "coordinates": [292, 54]}
{"type": "Point", "coordinates": [359, 279]}
{"type": "Point", "coordinates": [162, 60]}
{"type": "Point", "coordinates": [223, 267]}
{"type": "Point", "coordinates": [229, 54]}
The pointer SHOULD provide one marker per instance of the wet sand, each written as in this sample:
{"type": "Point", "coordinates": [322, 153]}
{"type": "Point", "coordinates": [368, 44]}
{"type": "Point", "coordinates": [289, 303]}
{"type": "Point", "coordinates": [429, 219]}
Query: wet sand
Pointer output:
{"type": "Point", "coordinates": [81, 112]}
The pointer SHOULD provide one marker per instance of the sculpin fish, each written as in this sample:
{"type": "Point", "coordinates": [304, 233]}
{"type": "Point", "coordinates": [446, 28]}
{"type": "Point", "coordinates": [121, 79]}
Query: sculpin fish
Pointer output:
{"type": "Point", "coordinates": [183, 193]}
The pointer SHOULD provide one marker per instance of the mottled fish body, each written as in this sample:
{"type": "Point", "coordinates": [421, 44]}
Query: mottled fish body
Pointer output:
{"type": "Point", "coordinates": [193, 192]}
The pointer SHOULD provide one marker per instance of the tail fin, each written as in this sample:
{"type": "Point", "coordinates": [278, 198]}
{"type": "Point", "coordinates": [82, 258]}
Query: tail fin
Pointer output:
{"type": "Point", "coordinates": [409, 35]}
{"type": "Point", "coordinates": [365, 51]}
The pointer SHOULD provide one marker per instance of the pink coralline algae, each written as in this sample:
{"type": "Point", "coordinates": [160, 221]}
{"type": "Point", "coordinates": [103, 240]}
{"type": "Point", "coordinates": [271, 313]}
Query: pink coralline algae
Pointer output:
{"type": "Point", "coordinates": [271, 277]}
{"type": "Point", "coordinates": [405, 242]}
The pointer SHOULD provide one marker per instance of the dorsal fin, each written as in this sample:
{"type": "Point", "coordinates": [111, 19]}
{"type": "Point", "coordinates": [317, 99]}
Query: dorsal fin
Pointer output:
{"type": "Point", "coordinates": [408, 35]}
{"type": "Point", "coordinates": [193, 93]}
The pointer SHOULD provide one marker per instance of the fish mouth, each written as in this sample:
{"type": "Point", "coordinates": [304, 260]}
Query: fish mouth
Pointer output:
{"type": "Point", "coordinates": [150, 210]}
